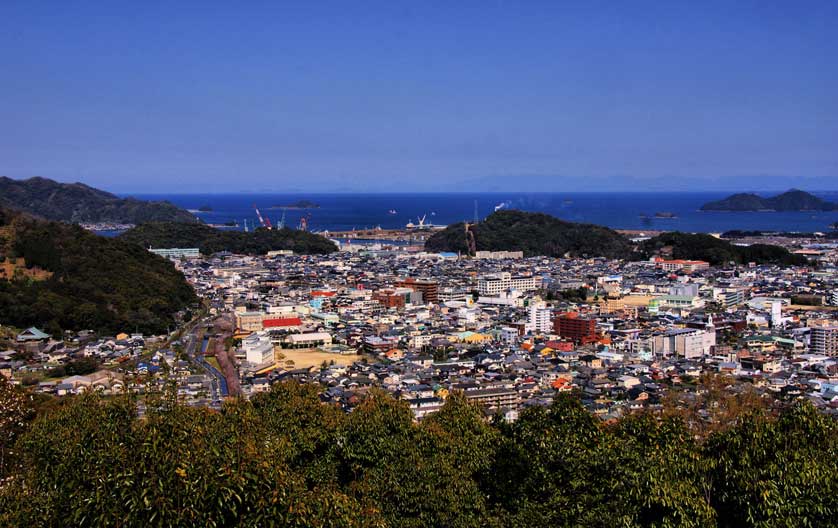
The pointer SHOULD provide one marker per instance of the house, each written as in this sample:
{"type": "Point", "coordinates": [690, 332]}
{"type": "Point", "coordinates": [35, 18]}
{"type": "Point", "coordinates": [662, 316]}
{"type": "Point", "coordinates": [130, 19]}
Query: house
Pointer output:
{"type": "Point", "coordinates": [32, 334]}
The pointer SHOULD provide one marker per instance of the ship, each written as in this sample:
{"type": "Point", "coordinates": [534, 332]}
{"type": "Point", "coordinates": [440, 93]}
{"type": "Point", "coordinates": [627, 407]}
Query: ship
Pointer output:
{"type": "Point", "coordinates": [665, 214]}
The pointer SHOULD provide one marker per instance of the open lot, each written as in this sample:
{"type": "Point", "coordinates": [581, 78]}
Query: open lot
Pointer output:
{"type": "Point", "coordinates": [309, 357]}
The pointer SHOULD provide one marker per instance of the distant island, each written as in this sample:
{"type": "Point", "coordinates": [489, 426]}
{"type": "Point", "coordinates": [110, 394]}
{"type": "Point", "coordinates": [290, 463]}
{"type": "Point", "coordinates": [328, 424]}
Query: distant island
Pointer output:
{"type": "Point", "coordinates": [211, 240]}
{"type": "Point", "coordinates": [78, 203]}
{"type": "Point", "coordinates": [205, 209]}
{"type": "Point", "coordinates": [793, 200]}
{"type": "Point", "coordinates": [299, 204]}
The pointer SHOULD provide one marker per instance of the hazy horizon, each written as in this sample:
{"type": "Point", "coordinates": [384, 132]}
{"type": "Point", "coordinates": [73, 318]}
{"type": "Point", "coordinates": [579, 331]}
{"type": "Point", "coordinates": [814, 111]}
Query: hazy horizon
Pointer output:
{"type": "Point", "coordinates": [379, 97]}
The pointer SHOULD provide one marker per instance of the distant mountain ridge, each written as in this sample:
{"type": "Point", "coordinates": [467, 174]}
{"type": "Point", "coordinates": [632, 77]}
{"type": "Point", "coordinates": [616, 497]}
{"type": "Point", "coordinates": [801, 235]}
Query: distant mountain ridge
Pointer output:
{"type": "Point", "coordinates": [79, 203]}
{"type": "Point", "coordinates": [792, 200]}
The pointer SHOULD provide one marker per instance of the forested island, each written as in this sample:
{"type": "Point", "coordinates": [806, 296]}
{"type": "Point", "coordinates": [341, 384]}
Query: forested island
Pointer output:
{"type": "Point", "coordinates": [211, 240]}
{"type": "Point", "coordinates": [541, 234]}
{"type": "Point", "coordinates": [59, 276]}
{"type": "Point", "coordinates": [283, 458]}
{"type": "Point", "coordinates": [793, 200]}
{"type": "Point", "coordinates": [299, 204]}
{"type": "Point", "coordinates": [79, 203]}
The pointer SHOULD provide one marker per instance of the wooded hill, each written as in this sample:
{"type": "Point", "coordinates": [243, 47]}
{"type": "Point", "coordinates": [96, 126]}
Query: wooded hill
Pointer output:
{"type": "Point", "coordinates": [211, 240]}
{"type": "Point", "coordinates": [63, 277]}
{"type": "Point", "coordinates": [540, 234]}
{"type": "Point", "coordinates": [534, 234]}
{"type": "Point", "coordinates": [717, 251]}
{"type": "Point", "coordinates": [78, 203]}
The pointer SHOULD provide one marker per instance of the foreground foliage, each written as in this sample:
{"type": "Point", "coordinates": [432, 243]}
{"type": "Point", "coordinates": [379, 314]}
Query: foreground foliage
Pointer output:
{"type": "Point", "coordinates": [93, 282]}
{"type": "Point", "coordinates": [286, 459]}
{"type": "Point", "coordinates": [211, 240]}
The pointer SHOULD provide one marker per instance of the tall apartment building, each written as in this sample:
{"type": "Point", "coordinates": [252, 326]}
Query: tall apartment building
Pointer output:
{"type": "Point", "coordinates": [578, 329]}
{"type": "Point", "coordinates": [428, 288]}
{"type": "Point", "coordinates": [491, 285]}
{"type": "Point", "coordinates": [540, 318]}
{"type": "Point", "coordinates": [824, 340]}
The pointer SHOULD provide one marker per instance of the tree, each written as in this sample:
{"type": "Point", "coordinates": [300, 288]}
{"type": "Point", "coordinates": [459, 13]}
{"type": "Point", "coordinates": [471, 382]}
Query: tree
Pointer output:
{"type": "Point", "coordinates": [779, 472]}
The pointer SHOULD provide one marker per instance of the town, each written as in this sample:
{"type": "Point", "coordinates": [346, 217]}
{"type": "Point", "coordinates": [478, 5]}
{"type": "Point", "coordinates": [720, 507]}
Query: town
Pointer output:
{"type": "Point", "coordinates": [507, 331]}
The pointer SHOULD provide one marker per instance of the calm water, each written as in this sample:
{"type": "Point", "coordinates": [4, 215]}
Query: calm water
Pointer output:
{"type": "Point", "coordinates": [617, 210]}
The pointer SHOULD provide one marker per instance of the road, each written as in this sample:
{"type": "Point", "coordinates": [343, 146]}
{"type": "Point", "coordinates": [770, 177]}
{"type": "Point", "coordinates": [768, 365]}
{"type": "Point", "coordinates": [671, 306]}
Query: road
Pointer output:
{"type": "Point", "coordinates": [193, 340]}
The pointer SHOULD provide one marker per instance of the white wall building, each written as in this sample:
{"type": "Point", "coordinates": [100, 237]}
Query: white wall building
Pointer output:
{"type": "Point", "coordinates": [491, 285]}
{"type": "Point", "coordinates": [540, 318]}
{"type": "Point", "coordinates": [258, 349]}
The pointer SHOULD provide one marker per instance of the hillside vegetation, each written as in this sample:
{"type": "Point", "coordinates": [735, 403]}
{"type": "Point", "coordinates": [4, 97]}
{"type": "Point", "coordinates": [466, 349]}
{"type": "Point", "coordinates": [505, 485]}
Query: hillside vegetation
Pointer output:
{"type": "Point", "coordinates": [539, 234]}
{"type": "Point", "coordinates": [78, 203]}
{"type": "Point", "coordinates": [285, 459]}
{"type": "Point", "coordinates": [716, 251]}
{"type": "Point", "coordinates": [534, 234]}
{"type": "Point", "coordinates": [211, 240]}
{"type": "Point", "coordinates": [85, 281]}
{"type": "Point", "coordinates": [793, 200]}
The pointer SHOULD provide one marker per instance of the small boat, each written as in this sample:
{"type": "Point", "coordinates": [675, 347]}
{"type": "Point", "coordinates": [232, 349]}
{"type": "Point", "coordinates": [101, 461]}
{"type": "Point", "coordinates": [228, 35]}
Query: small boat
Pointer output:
{"type": "Point", "coordinates": [665, 214]}
{"type": "Point", "coordinates": [392, 212]}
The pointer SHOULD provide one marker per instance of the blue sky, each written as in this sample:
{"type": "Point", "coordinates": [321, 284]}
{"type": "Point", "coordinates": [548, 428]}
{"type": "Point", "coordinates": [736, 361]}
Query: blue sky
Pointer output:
{"type": "Point", "coordinates": [382, 96]}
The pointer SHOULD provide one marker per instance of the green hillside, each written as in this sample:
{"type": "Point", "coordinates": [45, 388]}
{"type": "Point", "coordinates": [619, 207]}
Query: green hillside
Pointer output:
{"type": "Point", "coordinates": [78, 203]}
{"type": "Point", "coordinates": [211, 240]}
{"type": "Point", "coordinates": [534, 234]}
{"type": "Point", "coordinates": [72, 279]}
{"type": "Point", "coordinates": [717, 251]}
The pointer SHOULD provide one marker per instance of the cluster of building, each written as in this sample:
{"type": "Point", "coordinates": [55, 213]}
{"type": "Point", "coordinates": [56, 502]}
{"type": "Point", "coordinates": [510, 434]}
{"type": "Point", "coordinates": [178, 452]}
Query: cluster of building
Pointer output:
{"type": "Point", "coordinates": [507, 331]}
{"type": "Point", "coordinates": [510, 331]}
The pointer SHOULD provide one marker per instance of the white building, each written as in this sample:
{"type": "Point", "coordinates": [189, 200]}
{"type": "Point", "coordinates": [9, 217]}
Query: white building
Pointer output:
{"type": "Point", "coordinates": [540, 318]}
{"type": "Point", "coordinates": [491, 285]}
{"type": "Point", "coordinates": [177, 253]}
{"type": "Point", "coordinates": [685, 342]}
{"type": "Point", "coordinates": [258, 349]}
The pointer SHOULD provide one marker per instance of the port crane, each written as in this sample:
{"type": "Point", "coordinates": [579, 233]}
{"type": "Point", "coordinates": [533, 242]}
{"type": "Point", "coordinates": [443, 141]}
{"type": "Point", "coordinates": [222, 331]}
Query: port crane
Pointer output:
{"type": "Point", "coordinates": [304, 222]}
{"type": "Point", "coordinates": [265, 222]}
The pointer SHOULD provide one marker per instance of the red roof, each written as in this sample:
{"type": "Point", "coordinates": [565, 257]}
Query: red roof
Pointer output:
{"type": "Point", "coordinates": [322, 293]}
{"type": "Point", "coordinates": [278, 323]}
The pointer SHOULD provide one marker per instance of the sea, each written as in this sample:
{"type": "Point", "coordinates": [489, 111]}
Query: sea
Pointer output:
{"type": "Point", "coordinates": [635, 211]}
